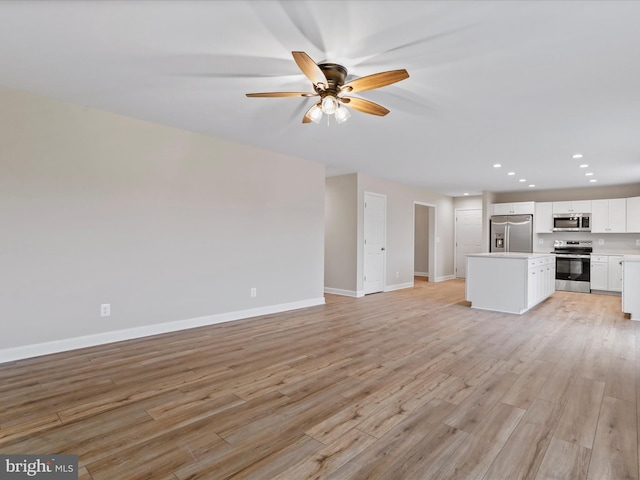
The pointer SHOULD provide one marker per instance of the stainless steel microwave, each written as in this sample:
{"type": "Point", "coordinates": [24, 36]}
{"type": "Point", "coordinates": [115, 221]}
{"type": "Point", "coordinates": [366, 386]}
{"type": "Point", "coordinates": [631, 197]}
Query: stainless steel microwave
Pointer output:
{"type": "Point", "coordinates": [572, 222]}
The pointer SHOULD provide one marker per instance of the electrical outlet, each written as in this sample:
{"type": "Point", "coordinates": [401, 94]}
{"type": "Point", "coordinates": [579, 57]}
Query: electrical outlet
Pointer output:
{"type": "Point", "coordinates": [105, 309]}
{"type": "Point", "coordinates": [397, 274]}
{"type": "Point", "coordinates": [601, 241]}
{"type": "Point", "coordinates": [253, 292]}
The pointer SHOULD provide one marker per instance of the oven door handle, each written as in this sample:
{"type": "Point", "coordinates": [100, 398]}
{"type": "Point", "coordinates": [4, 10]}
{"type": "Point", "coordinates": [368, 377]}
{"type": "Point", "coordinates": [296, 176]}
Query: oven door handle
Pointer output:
{"type": "Point", "coordinates": [569, 255]}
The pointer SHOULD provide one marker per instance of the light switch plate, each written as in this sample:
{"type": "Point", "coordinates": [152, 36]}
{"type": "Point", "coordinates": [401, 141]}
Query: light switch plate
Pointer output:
{"type": "Point", "coordinates": [601, 241]}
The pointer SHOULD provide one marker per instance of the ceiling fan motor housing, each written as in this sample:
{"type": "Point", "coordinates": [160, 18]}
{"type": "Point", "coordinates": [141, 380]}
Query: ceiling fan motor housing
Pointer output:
{"type": "Point", "coordinates": [336, 76]}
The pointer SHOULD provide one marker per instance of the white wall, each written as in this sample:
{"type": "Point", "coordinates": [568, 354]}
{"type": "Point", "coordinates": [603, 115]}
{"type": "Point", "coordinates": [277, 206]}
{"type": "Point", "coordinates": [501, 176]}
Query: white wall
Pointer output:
{"type": "Point", "coordinates": [400, 230]}
{"type": "Point", "coordinates": [468, 203]}
{"type": "Point", "coordinates": [488, 199]}
{"type": "Point", "coordinates": [163, 224]}
{"type": "Point", "coordinates": [341, 266]}
{"type": "Point", "coordinates": [623, 243]}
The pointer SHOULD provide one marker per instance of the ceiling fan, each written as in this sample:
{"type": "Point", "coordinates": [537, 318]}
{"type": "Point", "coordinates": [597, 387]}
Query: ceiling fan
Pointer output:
{"type": "Point", "coordinates": [328, 81]}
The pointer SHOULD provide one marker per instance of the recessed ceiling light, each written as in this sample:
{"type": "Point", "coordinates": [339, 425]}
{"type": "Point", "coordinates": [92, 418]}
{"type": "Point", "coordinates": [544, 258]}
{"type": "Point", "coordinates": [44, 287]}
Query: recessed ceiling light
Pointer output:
{"type": "Point", "coordinates": [522, 180]}
{"type": "Point", "coordinates": [588, 174]}
{"type": "Point", "coordinates": [577, 155]}
{"type": "Point", "coordinates": [465, 194]}
{"type": "Point", "coordinates": [584, 165]}
{"type": "Point", "coordinates": [593, 180]}
{"type": "Point", "coordinates": [511, 173]}
{"type": "Point", "coordinates": [531, 186]}
{"type": "Point", "coordinates": [497, 165]}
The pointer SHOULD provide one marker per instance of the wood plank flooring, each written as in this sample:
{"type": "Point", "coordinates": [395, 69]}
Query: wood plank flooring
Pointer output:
{"type": "Point", "coordinates": [411, 384]}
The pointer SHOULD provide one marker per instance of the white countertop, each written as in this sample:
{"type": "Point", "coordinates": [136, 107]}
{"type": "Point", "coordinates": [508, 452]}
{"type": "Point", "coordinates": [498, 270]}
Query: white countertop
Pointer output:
{"type": "Point", "coordinates": [612, 252]}
{"type": "Point", "coordinates": [631, 258]}
{"type": "Point", "coordinates": [511, 255]}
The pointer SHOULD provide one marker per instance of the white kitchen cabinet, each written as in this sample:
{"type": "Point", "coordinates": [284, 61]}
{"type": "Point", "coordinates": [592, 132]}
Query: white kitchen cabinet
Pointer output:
{"type": "Point", "coordinates": [606, 273]}
{"type": "Point", "coordinates": [515, 208]}
{"type": "Point", "coordinates": [609, 216]}
{"type": "Point", "coordinates": [562, 207]}
{"type": "Point", "coordinates": [633, 215]}
{"type": "Point", "coordinates": [631, 285]}
{"type": "Point", "coordinates": [533, 290]}
{"type": "Point", "coordinates": [501, 209]}
{"type": "Point", "coordinates": [542, 275]}
{"type": "Point", "coordinates": [576, 206]}
{"type": "Point", "coordinates": [599, 272]}
{"type": "Point", "coordinates": [509, 282]}
{"type": "Point", "coordinates": [614, 277]}
{"type": "Point", "coordinates": [543, 217]}
{"type": "Point", "coordinates": [551, 275]}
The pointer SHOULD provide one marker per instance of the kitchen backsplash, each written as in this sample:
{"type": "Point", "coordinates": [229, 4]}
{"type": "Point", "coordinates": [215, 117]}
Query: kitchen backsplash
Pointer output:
{"type": "Point", "coordinates": [612, 242]}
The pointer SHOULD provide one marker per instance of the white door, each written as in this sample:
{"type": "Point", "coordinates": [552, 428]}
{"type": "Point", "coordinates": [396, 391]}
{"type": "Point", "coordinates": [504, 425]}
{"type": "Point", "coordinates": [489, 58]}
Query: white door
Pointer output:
{"type": "Point", "coordinates": [375, 221]}
{"type": "Point", "coordinates": [468, 238]}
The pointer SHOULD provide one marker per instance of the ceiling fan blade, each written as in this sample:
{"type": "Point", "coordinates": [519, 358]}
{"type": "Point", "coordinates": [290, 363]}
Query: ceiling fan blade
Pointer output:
{"type": "Point", "coordinates": [309, 68]}
{"type": "Point", "coordinates": [376, 80]}
{"type": "Point", "coordinates": [364, 106]}
{"type": "Point", "coordinates": [282, 94]}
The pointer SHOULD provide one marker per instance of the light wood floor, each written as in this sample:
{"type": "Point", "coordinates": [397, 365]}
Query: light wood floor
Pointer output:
{"type": "Point", "coordinates": [411, 384]}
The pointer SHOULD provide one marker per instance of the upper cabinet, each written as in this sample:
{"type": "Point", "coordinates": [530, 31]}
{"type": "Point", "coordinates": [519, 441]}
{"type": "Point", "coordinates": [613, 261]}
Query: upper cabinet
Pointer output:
{"type": "Point", "coordinates": [579, 206]}
{"type": "Point", "coordinates": [633, 215]}
{"type": "Point", "coordinates": [516, 208]}
{"type": "Point", "coordinates": [609, 216]}
{"type": "Point", "coordinates": [615, 215]}
{"type": "Point", "coordinates": [543, 217]}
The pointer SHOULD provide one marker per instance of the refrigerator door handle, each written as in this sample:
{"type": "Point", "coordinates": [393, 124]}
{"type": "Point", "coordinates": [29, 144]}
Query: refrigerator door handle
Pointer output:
{"type": "Point", "coordinates": [506, 237]}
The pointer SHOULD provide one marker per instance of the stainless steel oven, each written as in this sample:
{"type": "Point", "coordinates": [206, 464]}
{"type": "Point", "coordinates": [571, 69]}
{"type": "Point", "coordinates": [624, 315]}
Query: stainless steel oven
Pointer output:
{"type": "Point", "coordinates": [573, 265]}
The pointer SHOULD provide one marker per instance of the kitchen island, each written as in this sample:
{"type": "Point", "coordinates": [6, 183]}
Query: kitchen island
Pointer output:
{"type": "Point", "coordinates": [631, 285]}
{"type": "Point", "coordinates": [509, 282]}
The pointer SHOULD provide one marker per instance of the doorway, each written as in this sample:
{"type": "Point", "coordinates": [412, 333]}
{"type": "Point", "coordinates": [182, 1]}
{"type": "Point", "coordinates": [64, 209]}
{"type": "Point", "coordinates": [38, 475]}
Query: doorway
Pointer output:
{"type": "Point", "coordinates": [424, 217]}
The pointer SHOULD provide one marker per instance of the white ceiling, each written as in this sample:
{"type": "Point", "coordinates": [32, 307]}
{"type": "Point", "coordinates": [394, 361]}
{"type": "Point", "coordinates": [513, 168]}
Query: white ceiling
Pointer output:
{"type": "Point", "coordinates": [524, 84]}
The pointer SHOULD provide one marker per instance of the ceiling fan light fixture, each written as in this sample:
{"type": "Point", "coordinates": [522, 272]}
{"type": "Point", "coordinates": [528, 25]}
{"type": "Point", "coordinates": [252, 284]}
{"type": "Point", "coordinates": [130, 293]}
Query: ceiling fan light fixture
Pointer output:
{"type": "Point", "coordinates": [342, 114]}
{"type": "Point", "coordinates": [315, 114]}
{"type": "Point", "coordinates": [329, 104]}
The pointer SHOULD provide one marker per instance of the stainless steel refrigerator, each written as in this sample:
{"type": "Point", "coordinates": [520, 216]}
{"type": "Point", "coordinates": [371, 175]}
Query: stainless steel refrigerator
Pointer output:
{"type": "Point", "coordinates": [511, 233]}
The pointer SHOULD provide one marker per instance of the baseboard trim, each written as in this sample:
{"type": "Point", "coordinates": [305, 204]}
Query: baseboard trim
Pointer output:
{"type": "Point", "coordinates": [445, 278]}
{"type": "Point", "coordinates": [607, 292]}
{"type": "Point", "coordinates": [398, 286]}
{"type": "Point", "coordinates": [57, 346]}
{"type": "Point", "coordinates": [340, 291]}
{"type": "Point", "coordinates": [420, 274]}
{"type": "Point", "coordinates": [344, 293]}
